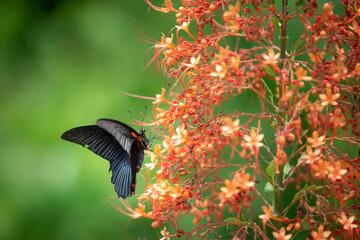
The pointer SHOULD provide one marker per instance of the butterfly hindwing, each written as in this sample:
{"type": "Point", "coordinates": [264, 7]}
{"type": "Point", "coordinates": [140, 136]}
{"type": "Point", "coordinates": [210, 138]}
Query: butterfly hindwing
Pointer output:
{"type": "Point", "coordinates": [122, 177]}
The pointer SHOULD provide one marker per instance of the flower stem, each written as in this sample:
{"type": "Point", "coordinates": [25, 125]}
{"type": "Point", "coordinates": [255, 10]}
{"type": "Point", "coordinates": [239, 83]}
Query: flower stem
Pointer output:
{"type": "Point", "coordinates": [283, 38]}
{"type": "Point", "coordinates": [278, 194]}
{"type": "Point", "coordinates": [279, 177]}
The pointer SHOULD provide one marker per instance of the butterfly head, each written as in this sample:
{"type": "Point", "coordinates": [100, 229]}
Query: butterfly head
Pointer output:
{"type": "Point", "coordinates": [144, 140]}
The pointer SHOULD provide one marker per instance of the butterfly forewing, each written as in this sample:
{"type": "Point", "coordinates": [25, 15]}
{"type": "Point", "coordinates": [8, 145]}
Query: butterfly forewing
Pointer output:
{"type": "Point", "coordinates": [97, 140]}
{"type": "Point", "coordinates": [122, 132]}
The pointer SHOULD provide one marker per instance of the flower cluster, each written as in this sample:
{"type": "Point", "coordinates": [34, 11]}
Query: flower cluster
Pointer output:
{"type": "Point", "coordinates": [301, 131]}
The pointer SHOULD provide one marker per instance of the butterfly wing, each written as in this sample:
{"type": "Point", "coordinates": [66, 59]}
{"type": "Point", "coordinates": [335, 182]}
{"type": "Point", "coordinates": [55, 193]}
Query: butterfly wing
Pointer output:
{"type": "Point", "coordinates": [128, 138]}
{"type": "Point", "coordinates": [122, 177]}
{"type": "Point", "coordinates": [104, 144]}
{"type": "Point", "coordinates": [97, 140]}
{"type": "Point", "coordinates": [124, 134]}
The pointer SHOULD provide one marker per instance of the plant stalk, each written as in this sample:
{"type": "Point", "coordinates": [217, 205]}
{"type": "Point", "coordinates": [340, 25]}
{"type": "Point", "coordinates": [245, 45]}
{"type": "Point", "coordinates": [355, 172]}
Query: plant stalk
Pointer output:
{"type": "Point", "coordinates": [278, 194]}
{"type": "Point", "coordinates": [279, 177]}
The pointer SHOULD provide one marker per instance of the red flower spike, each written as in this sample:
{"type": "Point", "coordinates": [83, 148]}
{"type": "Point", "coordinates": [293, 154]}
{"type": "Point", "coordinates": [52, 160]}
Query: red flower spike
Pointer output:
{"type": "Point", "coordinates": [303, 137]}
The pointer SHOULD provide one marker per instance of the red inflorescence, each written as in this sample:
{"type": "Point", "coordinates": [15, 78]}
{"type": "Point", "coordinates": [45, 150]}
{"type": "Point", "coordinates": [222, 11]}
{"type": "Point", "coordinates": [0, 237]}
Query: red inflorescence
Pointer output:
{"type": "Point", "coordinates": [302, 136]}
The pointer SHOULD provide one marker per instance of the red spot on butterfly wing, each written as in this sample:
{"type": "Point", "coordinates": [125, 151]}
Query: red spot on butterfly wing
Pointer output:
{"type": "Point", "coordinates": [138, 138]}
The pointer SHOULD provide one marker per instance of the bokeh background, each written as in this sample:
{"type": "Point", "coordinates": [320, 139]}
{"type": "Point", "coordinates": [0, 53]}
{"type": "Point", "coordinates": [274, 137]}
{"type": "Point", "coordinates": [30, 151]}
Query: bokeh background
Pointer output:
{"type": "Point", "coordinates": [65, 64]}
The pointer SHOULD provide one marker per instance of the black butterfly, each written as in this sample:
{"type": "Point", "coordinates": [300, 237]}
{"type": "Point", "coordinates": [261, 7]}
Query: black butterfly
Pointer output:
{"type": "Point", "coordinates": [118, 143]}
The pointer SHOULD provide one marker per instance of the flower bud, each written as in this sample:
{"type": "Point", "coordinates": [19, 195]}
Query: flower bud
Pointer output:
{"type": "Point", "coordinates": [291, 137]}
{"type": "Point", "coordinates": [327, 8]}
{"type": "Point", "coordinates": [281, 140]}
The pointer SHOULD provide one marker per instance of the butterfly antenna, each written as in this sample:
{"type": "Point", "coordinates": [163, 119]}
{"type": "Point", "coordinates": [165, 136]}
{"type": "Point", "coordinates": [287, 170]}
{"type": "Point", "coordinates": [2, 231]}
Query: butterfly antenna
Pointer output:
{"type": "Point", "coordinates": [131, 114]}
{"type": "Point", "coordinates": [152, 138]}
{"type": "Point", "coordinates": [144, 116]}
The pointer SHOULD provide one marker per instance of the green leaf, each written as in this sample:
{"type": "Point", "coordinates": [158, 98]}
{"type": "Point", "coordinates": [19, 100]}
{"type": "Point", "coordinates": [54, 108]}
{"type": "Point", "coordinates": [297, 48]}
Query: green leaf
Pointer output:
{"type": "Point", "coordinates": [298, 43]}
{"type": "Point", "coordinates": [304, 132]}
{"type": "Point", "coordinates": [276, 23]}
{"type": "Point", "coordinates": [304, 189]}
{"type": "Point", "coordinates": [231, 220]}
{"type": "Point", "coordinates": [269, 191]}
{"type": "Point", "coordinates": [270, 170]}
{"type": "Point", "coordinates": [269, 71]}
{"type": "Point", "coordinates": [267, 89]}
{"type": "Point", "coordinates": [286, 119]}
{"type": "Point", "coordinates": [287, 169]}
{"type": "Point", "coordinates": [234, 220]}
{"type": "Point", "coordinates": [243, 218]}
{"type": "Point", "coordinates": [300, 4]}
{"type": "Point", "coordinates": [297, 194]}
{"type": "Point", "coordinates": [265, 142]}
{"type": "Point", "coordinates": [298, 232]}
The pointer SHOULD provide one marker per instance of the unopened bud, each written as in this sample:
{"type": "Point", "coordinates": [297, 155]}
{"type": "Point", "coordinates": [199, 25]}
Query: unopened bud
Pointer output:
{"type": "Point", "coordinates": [291, 137]}
{"type": "Point", "coordinates": [327, 8]}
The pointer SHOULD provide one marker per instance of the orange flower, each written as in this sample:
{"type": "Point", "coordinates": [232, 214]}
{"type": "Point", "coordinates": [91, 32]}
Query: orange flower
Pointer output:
{"type": "Point", "coordinates": [243, 181]}
{"type": "Point", "coordinates": [311, 156]}
{"type": "Point", "coordinates": [254, 139]}
{"type": "Point", "coordinates": [231, 128]}
{"type": "Point", "coordinates": [165, 234]}
{"type": "Point", "coordinates": [140, 212]}
{"type": "Point", "coordinates": [168, 6]}
{"type": "Point", "coordinates": [301, 75]}
{"type": "Point", "coordinates": [320, 169]}
{"type": "Point", "coordinates": [316, 58]}
{"type": "Point", "coordinates": [229, 190]}
{"type": "Point", "coordinates": [220, 71]}
{"type": "Point", "coordinates": [347, 222]}
{"type": "Point", "coordinates": [153, 155]}
{"type": "Point", "coordinates": [194, 62]}
{"type": "Point", "coordinates": [240, 182]}
{"type": "Point", "coordinates": [233, 10]}
{"type": "Point", "coordinates": [184, 26]}
{"type": "Point", "coordinates": [316, 141]}
{"type": "Point", "coordinates": [159, 190]}
{"type": "Point", "coordinates": [161, 98]}
{"type": "Point", "coordinates": [329, 98]}
{"type": "Point", "coordinates": [355, 27]}
{"type": "Point", "coordinates": [320, 235]}
{"type": "Point", "coordinates": [268, 213]}
{"type": "Point", "coordinates": [235, 62]}
{"type": "Point", "coordinates": [181, 136]}
{"type": "Point", "coordinates": [271, 58]}
{"type": "Point", "coordinates": [335, 171]}
{"type": "Point", "coordinates": [281, 235]}
{"type": "Point", "coordinates": [166, 42]}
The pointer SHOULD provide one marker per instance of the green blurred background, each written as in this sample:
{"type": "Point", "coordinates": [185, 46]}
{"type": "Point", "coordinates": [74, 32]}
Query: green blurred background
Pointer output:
{"type": "Point", "coordinates": [65, 64]}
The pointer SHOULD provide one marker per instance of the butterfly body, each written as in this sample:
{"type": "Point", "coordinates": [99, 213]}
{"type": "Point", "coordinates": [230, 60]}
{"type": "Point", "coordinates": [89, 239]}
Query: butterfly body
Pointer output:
{"type": "Point", "coordinates": [118, 143]}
